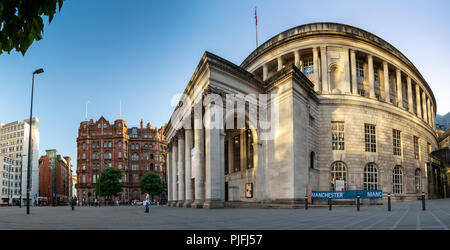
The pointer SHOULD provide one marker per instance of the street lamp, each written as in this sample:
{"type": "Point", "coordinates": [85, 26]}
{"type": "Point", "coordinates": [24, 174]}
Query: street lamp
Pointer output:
{"type": "Point", "coordinates": [38, 71]}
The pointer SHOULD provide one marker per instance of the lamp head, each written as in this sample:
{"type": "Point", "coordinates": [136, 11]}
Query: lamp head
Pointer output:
{"type": "Point", "coordinates": [38, 71]}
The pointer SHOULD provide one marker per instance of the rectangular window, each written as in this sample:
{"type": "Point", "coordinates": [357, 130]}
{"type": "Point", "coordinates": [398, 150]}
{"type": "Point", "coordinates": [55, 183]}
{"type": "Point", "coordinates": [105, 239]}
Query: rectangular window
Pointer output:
{"type": "Point", "coordinates": [376, 76]}
{"type": "Point", "coordinates": [397, 144]}
{"type": "Point", "coordinates": [308, 66]}
{"type": "Point", "coordinates": [337, 135]}
{"type": "Point", "coordinates": [370, 138]}
{"type": "Point", "coordinates": [416, 148]}
{"type": "Point", "coordinates": [237, 153]}
{"type": "Point", "coordinates": [249, 148]}
{"type": "Point", "coordinates": [359, 68]}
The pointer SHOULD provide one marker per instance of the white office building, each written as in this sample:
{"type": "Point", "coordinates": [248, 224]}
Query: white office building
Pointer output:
{"type": "Point", "coordinates": [14, 146]}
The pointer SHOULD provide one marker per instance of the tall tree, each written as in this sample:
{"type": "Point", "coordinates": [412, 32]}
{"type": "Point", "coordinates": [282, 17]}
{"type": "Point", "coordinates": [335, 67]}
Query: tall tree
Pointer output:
{"type": "Point", "coordinates": [108, 184]}
{"type": "Point", "coordinates": [151, 183]}
{"type": "Point", "coordinates": [21, 22]}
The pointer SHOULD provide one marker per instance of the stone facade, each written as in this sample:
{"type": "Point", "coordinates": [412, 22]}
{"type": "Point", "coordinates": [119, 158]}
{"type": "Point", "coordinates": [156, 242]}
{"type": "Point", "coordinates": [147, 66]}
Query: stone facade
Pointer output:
{"type": "Point", "coordinates": [135, 151]}
{"type": "Point", "coordinates": [348, 106]}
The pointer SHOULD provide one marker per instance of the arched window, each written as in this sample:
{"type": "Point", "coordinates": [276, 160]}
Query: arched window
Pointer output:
{"type": "Point", "coordinates": [152, 166]}
{"type": "Point", "coordinates": [312, 155]}
{"type": "Point", "coordinates": [418, 180]}
{"type": "Point", "coordinates": [120, 154]}
{"type": "Point", "coordinates": [137, 146]}
{"type": "Point", "coordinates": [338, 173]}
{"type": "Point", "coordinates": [132, 146]}
{"type": "Point", "coordinates": [135, 157]}
{"type": "Point", "coordinates": [119, 144]}
{"type": "Point", "coordinates": [151, 156]}
{"type": "Point", "coordinates": [370, 177]}
{"type": "Point", "coordinates": [397, 180]}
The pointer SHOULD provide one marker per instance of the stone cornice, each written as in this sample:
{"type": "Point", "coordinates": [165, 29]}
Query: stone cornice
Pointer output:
{"type": "Point", "coordinates": [298, 76]}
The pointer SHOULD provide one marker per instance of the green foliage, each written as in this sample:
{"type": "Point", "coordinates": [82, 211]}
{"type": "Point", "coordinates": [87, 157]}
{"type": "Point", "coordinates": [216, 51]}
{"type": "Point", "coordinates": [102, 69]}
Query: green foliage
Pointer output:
{"type": "Point", "coordinates": [151, 184]}
{"type": "Point", "coordinates": [108, 184]}
{"type": "Point", "coordinates": [21, 22]}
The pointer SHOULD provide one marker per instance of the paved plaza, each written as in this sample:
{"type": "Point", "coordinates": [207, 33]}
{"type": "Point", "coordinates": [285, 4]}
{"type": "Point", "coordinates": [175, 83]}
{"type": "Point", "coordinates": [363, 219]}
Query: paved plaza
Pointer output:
{"type": "Point", "coordinates": [405, 215]}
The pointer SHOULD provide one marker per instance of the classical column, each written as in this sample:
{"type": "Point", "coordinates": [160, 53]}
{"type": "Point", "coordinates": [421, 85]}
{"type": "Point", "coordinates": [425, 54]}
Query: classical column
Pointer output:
{"type": "Point", "coordinates": [316, 69]}
{"type": "Point", "coordinates": [181, 170]}
{"type": "Point", "coordinates": [265, 71]}
{"type": "Point", "coordinates": [280, 63]}
{"type": "Point", "coordinates": [346, 78]}
{"type": "Point", "coordinates": [399, 88]}
{"type": "Point", "coordinates": [433, 122]}
{"type": "Point", "coordinates": [188, 174]}
{"type": "Point", "coordinates": [353, 72]}
{"type": "Point", "coordinates": [371, 76]}
{"type": "Point", "coordinates": [387, 90]}
{"type": "Point", "coordinates": [214, 173]}
{"type": "Point", "coordinates": [429, 111]}
{"type": "Point", "coordinates": [418, 103]}
{"type": "Point", "coordinates": [424, 107]}
{"type": "Point", "coordinates": [174, 171]}
{"type": "Point", "coordinates": [410, 98]}
{"type": "Point", "coordinates": [297, 59]}
{"type": "Point", "coordinates": [323, 59]}
{"type": "Point", "coordinates": [198, 163]}
{"type": "Point", "coordinates": [169, 174]}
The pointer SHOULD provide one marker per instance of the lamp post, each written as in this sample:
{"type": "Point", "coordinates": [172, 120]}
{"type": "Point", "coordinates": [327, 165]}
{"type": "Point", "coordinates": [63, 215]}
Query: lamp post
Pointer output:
{"type": "Point", "coordinates": [38, 71]}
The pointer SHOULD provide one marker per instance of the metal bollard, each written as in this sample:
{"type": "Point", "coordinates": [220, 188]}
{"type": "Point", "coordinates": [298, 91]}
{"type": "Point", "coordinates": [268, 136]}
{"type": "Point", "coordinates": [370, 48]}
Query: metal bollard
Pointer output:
{"type": "Point", "coordinates": [330, 202]}
{"type": "Point", "coordinates": [389, 201]}
{"type": "Point", "coordinates": [423, 201]}
{"type": "Point", "coordinates": [306, 202]}
{"type": "Point", "coordinates": [357, 202]}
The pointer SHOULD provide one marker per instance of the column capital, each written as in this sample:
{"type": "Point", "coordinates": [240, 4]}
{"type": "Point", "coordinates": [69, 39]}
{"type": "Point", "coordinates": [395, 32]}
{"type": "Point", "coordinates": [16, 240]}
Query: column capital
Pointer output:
{"type": "Point", "coordinates": [180, 133]}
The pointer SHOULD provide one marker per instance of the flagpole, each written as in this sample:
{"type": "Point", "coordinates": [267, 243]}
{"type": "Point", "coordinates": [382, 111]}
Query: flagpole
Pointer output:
{"type": "Point", "coordinates": [256, 27]}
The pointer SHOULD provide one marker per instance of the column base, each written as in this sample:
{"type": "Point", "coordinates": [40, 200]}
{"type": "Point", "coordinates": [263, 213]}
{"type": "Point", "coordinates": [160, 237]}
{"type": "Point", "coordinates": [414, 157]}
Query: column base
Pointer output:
{"type": "Point", "coordinates": [188, 203]}
{"type": "Point", "coordinates": [212, 204]}
{"type": "Point", "coordinates": [169, 203]}
{"type": "Point", "coordinates": [179, 203]}
{"type": "Point", "coordinates": [197, 204]}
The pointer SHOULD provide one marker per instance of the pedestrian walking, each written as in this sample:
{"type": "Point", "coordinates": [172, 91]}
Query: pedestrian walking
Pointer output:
{"type": "Point", "coordinates": [72, 202]}
{"type": "Point", "coordinates": [147, 203]}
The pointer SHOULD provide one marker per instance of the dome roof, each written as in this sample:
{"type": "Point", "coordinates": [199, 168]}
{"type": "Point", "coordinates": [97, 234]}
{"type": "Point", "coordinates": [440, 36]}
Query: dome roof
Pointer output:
{"type": "Point", "coordinates": [326, 29]}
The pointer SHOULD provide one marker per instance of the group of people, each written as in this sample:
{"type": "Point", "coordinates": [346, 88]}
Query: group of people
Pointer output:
{"type": "Point", "coordinates": [75, 202]}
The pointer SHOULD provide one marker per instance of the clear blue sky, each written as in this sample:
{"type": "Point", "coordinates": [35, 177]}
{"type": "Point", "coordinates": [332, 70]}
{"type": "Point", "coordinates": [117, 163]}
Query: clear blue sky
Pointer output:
{"type": "Point", "coordinates": [144, 52]}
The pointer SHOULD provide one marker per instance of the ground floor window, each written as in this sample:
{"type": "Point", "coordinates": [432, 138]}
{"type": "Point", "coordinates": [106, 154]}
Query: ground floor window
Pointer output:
{"type": "Point", "coordinates": [397, 180]}
{"type": "Point", "coordinates": [370, 177]}
{"type": "Point", "coordinates": [338, 173]}
{"type": "Point", "coordinates": [418, 182]}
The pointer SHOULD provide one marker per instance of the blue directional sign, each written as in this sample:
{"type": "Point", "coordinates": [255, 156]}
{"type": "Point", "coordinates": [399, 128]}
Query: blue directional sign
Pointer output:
{"type": "Point", "coordinates": [348, 194]}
